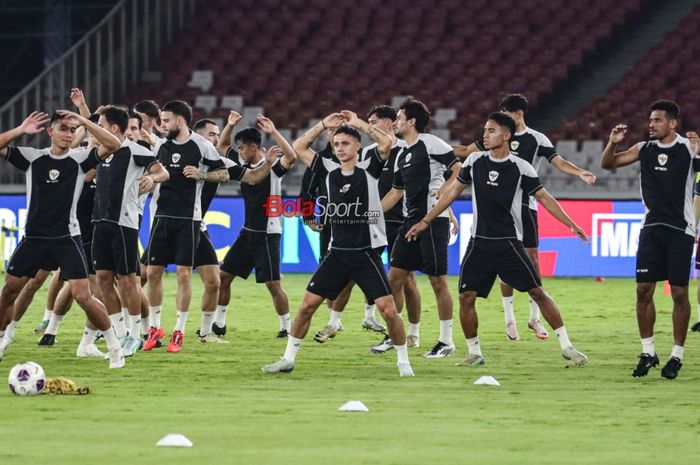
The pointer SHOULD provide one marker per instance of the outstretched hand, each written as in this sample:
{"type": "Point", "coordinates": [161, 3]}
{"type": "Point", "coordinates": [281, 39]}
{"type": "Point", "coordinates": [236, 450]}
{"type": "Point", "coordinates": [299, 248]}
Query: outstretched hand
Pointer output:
{"type": "Point", "coordinates": [694, 141]}
{"type": "Point", "coordinates": [587, 177]}
{"type": "Point", "coordinates": [191, 172]}
{"type": "Point", "coordinates": [618, 133]}
{"type": "Point", "coordinates": [35, 122]}
{"type": "Point", "coordinates": [233, 118]}
{"type": "Point", "coordinates": [333, 120]}
{"type": "Point", "coordinates": [265, 124]}
{"type": "Point", "coordinates": [576, 229]}
{"type": "Point", "coordinates": [416, 230]}
{"type": "Point", "coordinates": [77, 97]}
{"type": "Point", "coordinates": [350, 117]}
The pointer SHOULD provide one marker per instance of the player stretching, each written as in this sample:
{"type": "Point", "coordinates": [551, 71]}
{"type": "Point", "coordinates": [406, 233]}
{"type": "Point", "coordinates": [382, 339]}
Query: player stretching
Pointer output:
{"type": "Point", "coordinates": [499, 181]}
{"type": "Point", "coordinates": [357, 234]}
{"type": "Point", "coordinates": [668, 164]}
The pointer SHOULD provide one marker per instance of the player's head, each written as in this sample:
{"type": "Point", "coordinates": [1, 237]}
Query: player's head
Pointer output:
{"type": "Point", "coordinates": [61, 131]}
{"type": "Point", "coordinates": [663, 118]}
{"type": "Point", "coordinates": [499, 129]}
{"type": "Point", "coordinates": [175, 117]}
{"type": "Point", "coordinates": [208, 129]}
{"type": "Point", "coordinates": [248, 142]}
{"type": "Point", "coordinates": [413, 117]}
{"type": "Point", "coordinates": [113, 119]}
{"type": "Point", "coordinates": [382, 117]}
{"type": "Point", "coordinates": [149, 112]}
{"type": "Point", "coordinates": [514, 105]}
{"type": "Point", "coordinates": [347, 143]}
{"type": "Point", "coordinates": [133, 129]}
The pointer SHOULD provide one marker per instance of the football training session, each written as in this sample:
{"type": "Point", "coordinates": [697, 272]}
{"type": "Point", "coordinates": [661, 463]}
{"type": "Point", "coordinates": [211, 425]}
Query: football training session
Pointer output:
{"type": "Point", "coordinates": [356, 232]}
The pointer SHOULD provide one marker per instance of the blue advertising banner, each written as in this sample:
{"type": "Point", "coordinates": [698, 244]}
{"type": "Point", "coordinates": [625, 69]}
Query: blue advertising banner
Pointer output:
{"type": "Point", "coordinates": [612, 225]}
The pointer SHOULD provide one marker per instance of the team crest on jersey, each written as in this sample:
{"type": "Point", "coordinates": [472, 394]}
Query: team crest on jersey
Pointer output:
{"type": "Point", "coordinates": [53, 174]}
{"type": "Point", "coordinates": [345, 189]}
{"type": "Point", "coordinates": [514, 145]}
{"type": "Point", "coordinates": [176, 157]}
{"type": "Point", "coordinates": [408, 157]}
{"type": "Point", "coordinates": [109, 159]}
{"type": "Point", "coordinates": [493, 175]}
{"type": "Point", "coordinates": [663, 158]}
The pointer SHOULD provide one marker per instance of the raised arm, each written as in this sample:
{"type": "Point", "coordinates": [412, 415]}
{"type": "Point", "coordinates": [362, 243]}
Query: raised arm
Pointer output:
{"type": "Point", "coordinates": [268, 127]}
{"type": "Point", "coordinates": [225, 140]}
{"type": "Point", "coordinates": [302, 146]}
{"type": "Point", "coordinates": [553, 207]}
{"type": "Point", "coordinates": [78, 99]}
{"type": "Point", "coordinates": [256, 175]}
{"type": "Point", "coordinates": [108, 142]}
{"type": "Point", "coordinates": [612, 160]}
{"type": "Point", "coordinates": [566, 167]}
{"type": "Point", "coordinates": [33, 124]}
{"type": "Point", "coordinates": [382, 139]}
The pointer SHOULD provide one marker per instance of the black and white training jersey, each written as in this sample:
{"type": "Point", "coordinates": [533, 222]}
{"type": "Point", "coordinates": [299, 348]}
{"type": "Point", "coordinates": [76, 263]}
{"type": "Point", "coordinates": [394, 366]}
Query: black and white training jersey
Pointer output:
{"type": "Point", "coordinates": [83, 211]}
{"type": "Point", "coordinates": [117, 196]}
{"type": "Point", "coordinates": [255, 197]}
{"type": "Point", "coordinates": [498, 185]}
{"type": "Point", "coordinates": [209, 189]}
{"type": "Point", "coordinates": [313, 188]}
{"type": "Point", "coordinates": [180, 197]}
{"type": "Point", "coordinates": [533, 147]}
{"type": "Point", "coordinates": [386, 180]}
{"type": "Point", "coordinates": [54, 184]}
{"type": "Point", "coordinates": [420, 170]}
{"type": "Point", "coordinates": [353, 208]}
{"type": "Point", "coordinates": [667, 173]}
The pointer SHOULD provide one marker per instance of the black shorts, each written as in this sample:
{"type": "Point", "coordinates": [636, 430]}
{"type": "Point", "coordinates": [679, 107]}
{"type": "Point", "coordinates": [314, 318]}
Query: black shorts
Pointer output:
{"type": "Point", "coordinates": [49, 254]}
{"type": "Point", "coordinates": [257, 250]}
{"type": "Point", "coordinates": [506, 258]}
{"type": "Point", "coordinates": [173, 241]}
{"type": "Point", "coordinates": [115, 248]}
{"type": "Point", "coordinates": [324, 238]}
{"type": "Point", "coordinates": [206, 253]}
{"type": "Point", "coordinates": [338, 268]}
{"type": "Point", "coordinates": [428, 253]}
{"type": "Point", "coordinates": [531, 238]}
{"type": "Point", "coordinates": [664, 254]}
{"type": "Point", "coordinates": [392, 230]}
{"type": "Point", "coordinates": [87, 248]}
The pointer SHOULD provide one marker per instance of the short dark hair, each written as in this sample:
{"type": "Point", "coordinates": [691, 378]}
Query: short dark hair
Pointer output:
{"type": "Point", "coordinates": [382, 112]}
{"type": "Point", "coordinates": [202, 123]}
{"type": "Point", "coordinates": [513, 103]}
{"type": "Point", "coordinates": [179, 108]}
{"type": "Point", "coordinates": [148, 107]}
{"type": "Point", "coordinates": [415, 109]}
{"type": "Point", "coordinates": [55, 116]}
{"type": "Point", "coordinates": [504, 121]}
{"type": "Point", "coordinates": [671, 108]}
{"type": "Point", "coordinates": [352, 132]}
{"type": "Point", "coordinates": [248, 136]}
{"type": "Point", "coordinates": [95, 118]}
{"type": "Point", "coordinates": [136, 116]}
{"type": "Point", "coordinates": [116, 115]}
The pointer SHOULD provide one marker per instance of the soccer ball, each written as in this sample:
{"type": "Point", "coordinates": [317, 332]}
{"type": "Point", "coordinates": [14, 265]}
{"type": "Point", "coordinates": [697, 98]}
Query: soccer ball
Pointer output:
{"type": "Point", "coordinates": [26, 379]}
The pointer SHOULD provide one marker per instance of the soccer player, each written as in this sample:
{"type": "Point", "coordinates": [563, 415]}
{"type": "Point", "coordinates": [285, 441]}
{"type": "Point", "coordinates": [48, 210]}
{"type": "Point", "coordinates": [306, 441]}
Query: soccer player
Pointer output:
{"type": "Point", "coordinates": [122, 177]}
{"type": "Point", "coordinates": [533, 147]}
{"type": "Point", "coordinates": [668, 164]}
{"type": "Point", "coordinates": [357, 235]}
{"type": "Point", "coordinates": [258, 243]}
{"type": "Point", "coordinates": [150, 121]}
{"type": "Point", "coordinates": [418, 175]}
{"type": "Point", "coordinates": [54, 181]}
{"type": "Point", "coordinates": [205, 261]}
{"type": "Point", "coordinates": [175, 232]}
{"type": "Point", "coordinates": [499, 180]}
{"type": "Point", "coordinates": [696, 203]}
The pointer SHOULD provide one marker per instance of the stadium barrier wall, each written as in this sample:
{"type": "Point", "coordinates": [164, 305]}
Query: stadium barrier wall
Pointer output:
{"type": "Point", "coordinates": [613, 227]}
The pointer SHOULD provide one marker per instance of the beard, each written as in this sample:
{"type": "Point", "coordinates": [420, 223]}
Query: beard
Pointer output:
{"type": "Point", "coordinates": [172, 134]}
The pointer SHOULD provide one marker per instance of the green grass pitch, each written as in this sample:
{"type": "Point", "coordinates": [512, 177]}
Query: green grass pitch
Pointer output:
{"type": "Point", "coordinates": [544, 412]}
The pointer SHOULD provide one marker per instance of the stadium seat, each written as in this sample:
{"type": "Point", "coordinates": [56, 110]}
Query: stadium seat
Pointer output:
{"type": "Point", "coordinates": [443, 116]}
{"type": "Point", "coordinates": [232, 102]}
{"type": "Point", "coordinates": [202, 80]}
{"type": "Point", "coordinates": [205, 102]}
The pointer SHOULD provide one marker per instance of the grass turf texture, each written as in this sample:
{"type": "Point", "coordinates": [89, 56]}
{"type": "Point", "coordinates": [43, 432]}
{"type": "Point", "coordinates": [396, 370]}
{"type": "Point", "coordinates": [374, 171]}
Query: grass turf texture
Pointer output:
{"type": "Point", "coordinates": [546, 411]}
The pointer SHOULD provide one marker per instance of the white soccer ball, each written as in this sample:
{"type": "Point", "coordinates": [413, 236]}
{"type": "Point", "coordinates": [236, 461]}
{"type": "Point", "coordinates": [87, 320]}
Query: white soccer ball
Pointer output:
{"type": "Point", "coordinates": [26, 379]}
